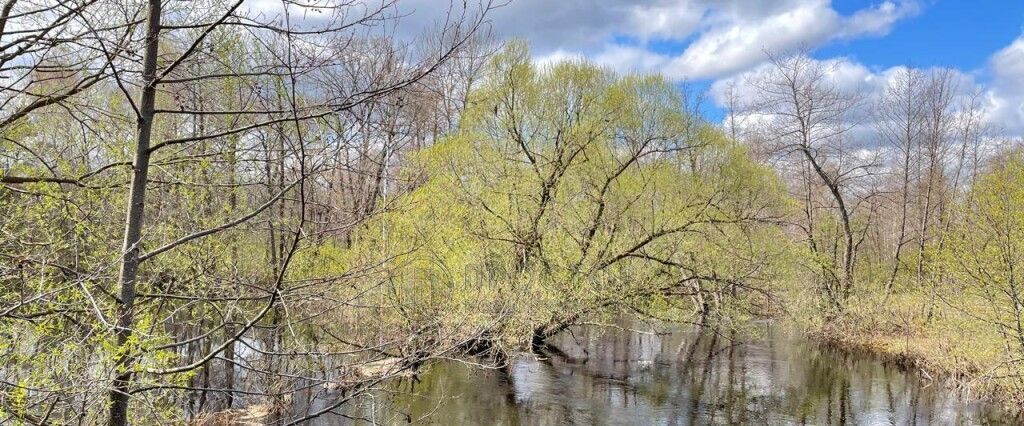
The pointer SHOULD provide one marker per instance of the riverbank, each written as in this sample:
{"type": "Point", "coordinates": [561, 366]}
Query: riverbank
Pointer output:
{"type": "Point", "coordinates": [945, 345]}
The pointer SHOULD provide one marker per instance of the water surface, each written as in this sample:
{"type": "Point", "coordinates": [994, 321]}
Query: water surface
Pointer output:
{"type": "Point", "coordinates": [601, 375]}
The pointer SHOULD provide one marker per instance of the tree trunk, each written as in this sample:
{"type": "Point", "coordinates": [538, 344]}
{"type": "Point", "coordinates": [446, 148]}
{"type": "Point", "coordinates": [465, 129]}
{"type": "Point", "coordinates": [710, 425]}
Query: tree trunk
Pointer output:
{"type": "Point", "coordinates": [903, 222]}
{"type": "Point", "coordinates": [844, 215]}
{"type": "Point", "coordinates": [133, 223]}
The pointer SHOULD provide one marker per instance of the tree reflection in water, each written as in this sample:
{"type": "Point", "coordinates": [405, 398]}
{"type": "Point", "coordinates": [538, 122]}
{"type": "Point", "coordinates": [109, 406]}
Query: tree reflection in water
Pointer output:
{"type": "Point", "coordinates": [682, 376]}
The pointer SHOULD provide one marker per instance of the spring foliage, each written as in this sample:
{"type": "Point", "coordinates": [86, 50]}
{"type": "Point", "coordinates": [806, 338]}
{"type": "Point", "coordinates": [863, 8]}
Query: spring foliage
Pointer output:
{"type": "Point", "coordinates": [570, 192]}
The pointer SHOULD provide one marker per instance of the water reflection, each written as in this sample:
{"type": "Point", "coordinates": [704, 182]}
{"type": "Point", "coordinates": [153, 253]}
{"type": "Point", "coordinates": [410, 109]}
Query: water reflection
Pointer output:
{"type": "Point", "coordinates": [612, 376]}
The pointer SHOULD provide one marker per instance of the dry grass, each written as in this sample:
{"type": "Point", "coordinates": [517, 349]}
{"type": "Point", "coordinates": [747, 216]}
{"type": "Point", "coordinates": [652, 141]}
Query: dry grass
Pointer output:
{"type": "Point", "coordinates": [949, 345]}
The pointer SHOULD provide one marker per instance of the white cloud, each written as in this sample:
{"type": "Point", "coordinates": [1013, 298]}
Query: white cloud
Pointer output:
{"type": "Point", "coordinates": [1002, 95]}
{"type": "Point", "coordinates": [742, 43]}
{"type": "Point", "coordinates": [629, 59]}
{"type": "Point", "coordinates": [709, 38]}
{"type": "Point", "coordinates": [1007, 93]}
{"type": "Point", "coordinates": [556, 57]}
{"type": "Point", "coordinates": [549, 25]}
{"type": "Point", "coordinates": [877, 21]}
{"type": "Point", "coordinates": [721, 39]}
{"type": "Point", "coordinates": [845, 74]}
{"type": "Point", "coordinates": [1008, 63]}
{"type": "Point", "coordinates": [667, 20]}
{"type": "Point", "coordinates": [712, 38]}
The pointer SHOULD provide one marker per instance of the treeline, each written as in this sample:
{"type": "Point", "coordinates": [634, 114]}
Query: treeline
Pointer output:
{"type": "Point", "coordinates": [169, 170]}
{"type": "Point", "coordinates": [212, 213]}
{"type": "Point", "coordinates": [909, 215]}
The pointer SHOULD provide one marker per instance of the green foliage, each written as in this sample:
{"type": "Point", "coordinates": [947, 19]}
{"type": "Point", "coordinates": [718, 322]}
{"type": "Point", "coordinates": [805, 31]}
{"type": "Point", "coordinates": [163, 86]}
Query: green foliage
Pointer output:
{"type": "Point", "coordinates": [985, 251]}
{"type": "Point", "coordinates": [570, 192]}
{"type": "Point", "coordinates": [962, 315]}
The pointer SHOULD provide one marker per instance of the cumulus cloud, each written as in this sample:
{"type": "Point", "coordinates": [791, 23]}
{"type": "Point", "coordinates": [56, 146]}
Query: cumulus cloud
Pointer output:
{"type": "Point", "coordinates": [742, 43]}
{"type": "Point", "coordinates": [711, 38]}
{"type": "Point", "coordinates": [740, 40]}
{"type": "Point", "coordinates": [846, 75]}
{"type": "Point", "coordinates": [1002, 92]}
{"type": "Point", "coordinates": [1006, 96]}
{"type": "Point", "coordinates": [629, 59]}
{"type": "Point", "coordinates": [556, 57]}
{"type": "Point", "coordinates": [664, 20]}
{"type": "Point", "coordinates": [877, 21]}
{"type": "Point", "coordinates": [576, 26]}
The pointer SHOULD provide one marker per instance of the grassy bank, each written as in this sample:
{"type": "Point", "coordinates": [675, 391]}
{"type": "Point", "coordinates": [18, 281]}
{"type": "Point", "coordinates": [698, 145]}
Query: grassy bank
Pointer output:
{"type": "Point", "coordinates": [951, 346]}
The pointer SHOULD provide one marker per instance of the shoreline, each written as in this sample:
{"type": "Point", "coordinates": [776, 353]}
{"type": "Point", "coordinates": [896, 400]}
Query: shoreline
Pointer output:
{"type": "Point", "coordinates": [968, 382]}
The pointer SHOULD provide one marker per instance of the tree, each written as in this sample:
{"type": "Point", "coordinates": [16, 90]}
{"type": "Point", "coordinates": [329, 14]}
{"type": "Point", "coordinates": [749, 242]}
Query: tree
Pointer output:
{"type": "Point", "coordinates": [569, 193]}
{"type": "Point", "coordinates": [222, 98]}
{"type": "Point", "coordinates": [983, 253]}
{"type": "Point", "coordinates": [900, 122]}
{"type": "Point", "coordinates": [811, 120]}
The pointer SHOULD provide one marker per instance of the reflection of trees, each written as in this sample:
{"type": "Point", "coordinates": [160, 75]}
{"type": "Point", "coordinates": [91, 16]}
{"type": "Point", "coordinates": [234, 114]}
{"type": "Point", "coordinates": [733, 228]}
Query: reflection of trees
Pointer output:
{"type": "Point", "coordinates": [698, 377]}
{"type": "Point", "coordinates": [610, 376]}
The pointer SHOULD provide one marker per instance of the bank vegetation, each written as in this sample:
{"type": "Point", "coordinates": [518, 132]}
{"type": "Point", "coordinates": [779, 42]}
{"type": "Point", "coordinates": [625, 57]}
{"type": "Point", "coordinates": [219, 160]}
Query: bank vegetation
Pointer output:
{"type": "Point", "coordinates": [211, 213]}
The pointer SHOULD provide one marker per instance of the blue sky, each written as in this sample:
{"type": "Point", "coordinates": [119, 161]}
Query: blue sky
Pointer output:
{"type": "Point", "coordinates": [946, 33]}
{"type": "Point", "coordinates": [711, 43]}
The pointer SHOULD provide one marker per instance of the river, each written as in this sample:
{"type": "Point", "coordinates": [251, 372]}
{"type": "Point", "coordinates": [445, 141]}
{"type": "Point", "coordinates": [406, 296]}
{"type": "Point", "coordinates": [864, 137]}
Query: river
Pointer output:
{"type": "Point", "coordinates": [677, 376]}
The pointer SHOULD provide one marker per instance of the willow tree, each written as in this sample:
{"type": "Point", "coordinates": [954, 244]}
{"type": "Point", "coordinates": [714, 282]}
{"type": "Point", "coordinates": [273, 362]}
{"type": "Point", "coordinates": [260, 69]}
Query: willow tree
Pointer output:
{"type": "Point", "coordinates": [570, 192]}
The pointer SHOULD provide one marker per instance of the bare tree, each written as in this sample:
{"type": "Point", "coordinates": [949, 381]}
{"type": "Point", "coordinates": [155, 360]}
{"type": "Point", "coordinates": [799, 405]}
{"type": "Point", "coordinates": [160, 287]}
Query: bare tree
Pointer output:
{"type": "Point", "coordinates": [900, 122]}
{"type": "Point", "coordinates": [812, 120]}
{"type": "Point", "coordinates": [736, 109]}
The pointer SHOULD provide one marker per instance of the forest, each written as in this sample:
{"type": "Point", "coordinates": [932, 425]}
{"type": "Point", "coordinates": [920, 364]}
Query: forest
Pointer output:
{"type": "Point", "coordinates": [208, 209]}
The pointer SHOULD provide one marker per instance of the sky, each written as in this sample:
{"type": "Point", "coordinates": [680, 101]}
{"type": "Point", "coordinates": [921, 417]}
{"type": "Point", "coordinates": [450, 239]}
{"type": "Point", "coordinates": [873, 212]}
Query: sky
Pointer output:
{"type": "Point", "coordinates": [708, 43]}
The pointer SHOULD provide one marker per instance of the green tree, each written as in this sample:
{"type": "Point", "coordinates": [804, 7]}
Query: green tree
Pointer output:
{"type": "Point", "coordinates": [985, 251]}
{"type": "Point", "coordinates": [571, 192]}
